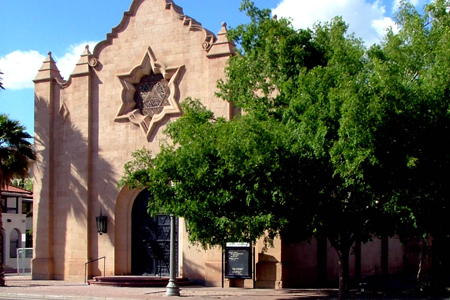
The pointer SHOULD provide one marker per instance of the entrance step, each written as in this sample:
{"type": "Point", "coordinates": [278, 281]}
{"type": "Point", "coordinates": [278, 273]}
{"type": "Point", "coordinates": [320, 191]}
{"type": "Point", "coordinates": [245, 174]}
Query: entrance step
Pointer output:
{"type": "Point", "coordinates": [136, 281]}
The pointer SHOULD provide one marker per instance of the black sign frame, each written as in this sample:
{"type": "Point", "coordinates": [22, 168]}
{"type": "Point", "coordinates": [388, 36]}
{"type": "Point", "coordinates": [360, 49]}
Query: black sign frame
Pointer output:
{"type": "Point", "coordinates": [238, 262]}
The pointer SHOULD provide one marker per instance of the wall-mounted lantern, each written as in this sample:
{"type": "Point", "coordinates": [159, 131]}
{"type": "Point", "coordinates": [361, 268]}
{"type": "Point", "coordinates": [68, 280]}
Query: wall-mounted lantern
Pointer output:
{"type": "Point", "coordinates": [101, 223]}
{"type": "Point", "coordinates": [186, 225]}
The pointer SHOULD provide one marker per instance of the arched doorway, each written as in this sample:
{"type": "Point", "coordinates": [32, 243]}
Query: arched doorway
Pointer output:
{"type": "Point", "coordinates": [14, 243]}
{"type": "Point", "coordinates": [150, 239]}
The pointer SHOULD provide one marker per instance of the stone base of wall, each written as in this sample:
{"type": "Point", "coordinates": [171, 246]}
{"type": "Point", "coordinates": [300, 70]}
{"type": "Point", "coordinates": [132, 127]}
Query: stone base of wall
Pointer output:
{"type": "Point", "coordinates": [42, 269]}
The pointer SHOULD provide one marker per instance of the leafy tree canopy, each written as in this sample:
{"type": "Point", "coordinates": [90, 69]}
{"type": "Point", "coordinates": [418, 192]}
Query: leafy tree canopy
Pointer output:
{"type": "Point", "coordinates": [336, 140]}
{"type": "Point", "coordinates": [15, 150]}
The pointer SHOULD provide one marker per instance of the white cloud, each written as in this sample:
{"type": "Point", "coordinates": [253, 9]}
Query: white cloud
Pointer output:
{"type": "Point", "coordinates": [66, 63]}
{"type": "Point", "coordinates": [381, 26]}
{"type": "Point", "coordinates": [365, 19]}
{"type": "Point", "coordinates": [20, 68]}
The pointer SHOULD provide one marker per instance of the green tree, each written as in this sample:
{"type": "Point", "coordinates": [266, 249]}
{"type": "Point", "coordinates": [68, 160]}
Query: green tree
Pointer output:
{"type": "Point", "coordinates": [337, 140]}
{"type": "Point", "coordinates": [24, 183]}
{"type": "Point", "coordinates": [230, 196]}
{"type": "Point", "coordinates": [15, 155]}
{"type": "Point", "coordinates": [410, 73]}
{"type": "Point", "coordinates": [321, 105]}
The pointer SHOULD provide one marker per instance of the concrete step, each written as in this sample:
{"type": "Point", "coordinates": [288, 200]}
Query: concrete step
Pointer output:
{"type": "Point", "coordinates": [136, 281]}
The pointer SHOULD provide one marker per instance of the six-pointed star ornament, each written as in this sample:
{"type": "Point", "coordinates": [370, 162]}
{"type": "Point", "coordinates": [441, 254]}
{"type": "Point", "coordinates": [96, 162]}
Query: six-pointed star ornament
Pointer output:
{"type": "Point", "coordinates": [150, 92]}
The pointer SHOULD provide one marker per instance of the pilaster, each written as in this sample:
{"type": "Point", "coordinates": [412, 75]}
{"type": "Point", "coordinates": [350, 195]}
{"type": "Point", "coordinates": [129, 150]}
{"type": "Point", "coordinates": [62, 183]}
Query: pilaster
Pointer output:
{"type": "Point", "coordinates": [218, 56]}
{"type": "Point", "coordinates": [42, 264]}
{"type": "Point", "coordinates": [80, 223]}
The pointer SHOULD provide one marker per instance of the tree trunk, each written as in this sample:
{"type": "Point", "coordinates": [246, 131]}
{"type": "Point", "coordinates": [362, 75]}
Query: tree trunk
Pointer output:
{"type": "Point", "coordinates": [423, 254]}
{"type": "Point", "coordinates": [2, 274]}
{"type": "Point", "coordinates": [358, 260]}
{"type": "Point", "coordinates": [343, 254]}
{"type": "Point", "coordinates": [384, 256]}
{"type": "Point", "coordinates": [342, 245]}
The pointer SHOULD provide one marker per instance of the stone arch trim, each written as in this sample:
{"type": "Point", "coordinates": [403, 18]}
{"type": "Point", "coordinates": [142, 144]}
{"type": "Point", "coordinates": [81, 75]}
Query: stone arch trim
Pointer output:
{"type": "Point", "coordinates": [19, 240]}
{"type": "Point", "coordinates": [122, 230]}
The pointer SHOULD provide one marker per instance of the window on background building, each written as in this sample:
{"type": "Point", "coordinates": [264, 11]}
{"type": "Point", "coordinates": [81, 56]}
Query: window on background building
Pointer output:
{"type": "Point", "coordinates": [14, 241]}
{"type": "Point", "coordinates": [27, 208]}
{"type": "Point", "coordinates": [29, 239]}
{"type": "Point", "coordinates": [11, 205]}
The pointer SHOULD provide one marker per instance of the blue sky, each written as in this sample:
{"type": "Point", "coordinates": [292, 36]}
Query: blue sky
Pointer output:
{"type": "Point", "coordinates": [31, 28]}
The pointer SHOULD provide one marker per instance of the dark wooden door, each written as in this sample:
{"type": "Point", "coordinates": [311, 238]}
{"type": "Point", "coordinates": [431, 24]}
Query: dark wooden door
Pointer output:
{"type": "Point", "coordinates": [150, 240]}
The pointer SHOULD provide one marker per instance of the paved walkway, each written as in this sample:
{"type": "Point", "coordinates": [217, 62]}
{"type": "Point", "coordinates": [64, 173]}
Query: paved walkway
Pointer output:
{"type": "Point", "coordinates": [23, 286]}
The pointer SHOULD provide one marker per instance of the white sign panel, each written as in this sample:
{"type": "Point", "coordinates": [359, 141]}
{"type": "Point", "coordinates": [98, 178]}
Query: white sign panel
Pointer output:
{"type": "Point", "coordinates": [238, 244]}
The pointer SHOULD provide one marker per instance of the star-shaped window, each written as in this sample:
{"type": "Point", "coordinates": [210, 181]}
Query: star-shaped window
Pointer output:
{"type": "Point", "coordinates": [150, 92]}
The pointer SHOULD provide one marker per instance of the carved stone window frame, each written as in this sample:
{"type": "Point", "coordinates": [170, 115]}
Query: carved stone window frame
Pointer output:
{"type": "Point", "coordinates": [128, 111]}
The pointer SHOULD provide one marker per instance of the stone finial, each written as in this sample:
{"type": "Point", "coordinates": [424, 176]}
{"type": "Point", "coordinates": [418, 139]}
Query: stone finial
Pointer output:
{"type": "Point", "coordinates": [223, 30]}
{"type": "Point", "coordinates": [86, 51]}
{"type": "Point", "coordinates": [222, 47]}
{"type": "Point", "coordinates": [48, 70]}
{"type": "Point", "coordinates": [82, 66]}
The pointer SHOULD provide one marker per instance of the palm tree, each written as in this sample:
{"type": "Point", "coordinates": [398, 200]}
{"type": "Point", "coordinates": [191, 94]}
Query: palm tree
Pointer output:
{"type": "Point", "coordinates": [16, 152]}
{"type": "Point", "coordinates": [1, 83]}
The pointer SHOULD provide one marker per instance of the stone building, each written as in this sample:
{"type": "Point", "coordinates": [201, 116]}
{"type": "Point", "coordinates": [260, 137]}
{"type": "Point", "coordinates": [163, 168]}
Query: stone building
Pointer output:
{"type": "Point", "coordinates": [17, 215]}
{"type": "Point", "coordinates": [118, 99]}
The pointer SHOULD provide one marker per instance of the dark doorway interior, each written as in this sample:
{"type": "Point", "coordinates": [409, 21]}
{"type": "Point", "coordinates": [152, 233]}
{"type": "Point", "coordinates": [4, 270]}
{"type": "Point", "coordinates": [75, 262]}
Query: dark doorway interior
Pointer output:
{"type": "Point", "coordinates": [150, 244]}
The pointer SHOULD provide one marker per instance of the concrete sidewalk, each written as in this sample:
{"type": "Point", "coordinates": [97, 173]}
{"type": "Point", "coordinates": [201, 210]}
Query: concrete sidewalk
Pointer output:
{"type": "Point", "coordinates": [23, 286]}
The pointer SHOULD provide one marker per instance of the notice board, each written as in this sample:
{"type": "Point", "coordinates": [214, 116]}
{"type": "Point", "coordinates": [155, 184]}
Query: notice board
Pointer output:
{"type": "Point", "coordinates": [238, 260]}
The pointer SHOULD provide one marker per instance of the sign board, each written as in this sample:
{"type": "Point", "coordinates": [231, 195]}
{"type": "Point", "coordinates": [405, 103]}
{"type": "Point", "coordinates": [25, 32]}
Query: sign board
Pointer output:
{"type": "Point", "coordinates": [24, 237]}
{"type": "Point", "coordinates": [238, 244]}
{"type": "Point", "coordinates": [238, 261]}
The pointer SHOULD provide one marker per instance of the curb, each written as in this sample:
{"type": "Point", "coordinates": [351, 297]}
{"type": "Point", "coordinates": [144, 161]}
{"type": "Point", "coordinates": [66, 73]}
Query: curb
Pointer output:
{"type": "Point", "coordinates": [57, 297]}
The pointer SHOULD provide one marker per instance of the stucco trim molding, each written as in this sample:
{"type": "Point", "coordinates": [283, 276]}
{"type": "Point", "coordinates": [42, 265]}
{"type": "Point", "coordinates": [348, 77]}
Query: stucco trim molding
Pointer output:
{"type": "Point", "coordinates": [128, 111]}
{"type": "Point", "coordinates": [192, 24]}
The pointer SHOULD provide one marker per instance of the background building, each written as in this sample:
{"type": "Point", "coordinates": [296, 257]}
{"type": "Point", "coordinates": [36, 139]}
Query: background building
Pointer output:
{"type": "Point", "coordinates": [17, 208]}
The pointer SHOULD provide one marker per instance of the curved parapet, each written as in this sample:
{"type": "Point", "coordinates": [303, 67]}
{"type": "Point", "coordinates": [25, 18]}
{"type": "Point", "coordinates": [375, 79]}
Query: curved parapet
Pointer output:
{"type": "Point", "coordinates": [191, 23]}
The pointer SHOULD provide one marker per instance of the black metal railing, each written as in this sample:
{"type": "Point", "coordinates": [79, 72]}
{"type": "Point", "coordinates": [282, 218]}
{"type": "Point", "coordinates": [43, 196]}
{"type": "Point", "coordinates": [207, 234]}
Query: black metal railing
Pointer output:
{"type": "Point", "coordinates": [91, 261]}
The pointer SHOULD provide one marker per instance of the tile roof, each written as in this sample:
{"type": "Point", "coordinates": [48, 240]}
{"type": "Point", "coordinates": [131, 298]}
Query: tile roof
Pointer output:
{"type": "Point", "coordinates": [16, 191]}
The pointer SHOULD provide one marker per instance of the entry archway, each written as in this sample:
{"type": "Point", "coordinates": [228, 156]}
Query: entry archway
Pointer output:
{"type": "Point", "coordinates": [150, 239]}
{"type": "Point", "coordinates": [14, 242]}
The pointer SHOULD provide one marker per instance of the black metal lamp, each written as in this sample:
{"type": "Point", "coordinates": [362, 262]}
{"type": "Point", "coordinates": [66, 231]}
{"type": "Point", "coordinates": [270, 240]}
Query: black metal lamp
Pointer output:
{"type": "Point", "coordinates": [101, 223]}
